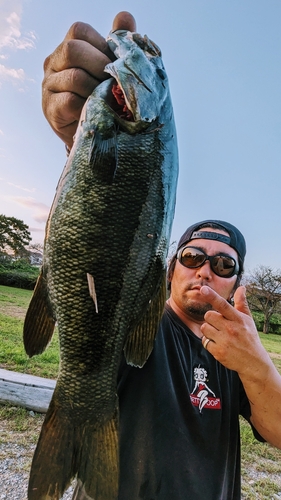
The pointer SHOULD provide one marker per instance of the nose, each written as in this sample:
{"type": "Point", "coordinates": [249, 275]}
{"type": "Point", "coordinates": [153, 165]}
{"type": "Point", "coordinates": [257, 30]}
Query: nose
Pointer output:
{"type": "Point", "coordinates": [204, 271]}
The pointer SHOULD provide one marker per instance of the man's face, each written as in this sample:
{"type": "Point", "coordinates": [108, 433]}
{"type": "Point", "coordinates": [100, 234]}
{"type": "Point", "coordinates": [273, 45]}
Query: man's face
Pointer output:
{"type": "Point", "coordinates": [186, 283]}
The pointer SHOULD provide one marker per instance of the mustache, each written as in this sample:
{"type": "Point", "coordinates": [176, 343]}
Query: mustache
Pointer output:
{"type": "Point", "coordinates": [196, 284]}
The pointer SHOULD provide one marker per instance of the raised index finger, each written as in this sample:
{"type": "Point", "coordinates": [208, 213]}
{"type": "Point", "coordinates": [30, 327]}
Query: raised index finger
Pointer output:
{"type": "Point", "coordinates": [218, 303]}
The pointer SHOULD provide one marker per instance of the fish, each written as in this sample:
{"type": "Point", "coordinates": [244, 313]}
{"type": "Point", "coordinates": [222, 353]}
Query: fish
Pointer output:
{"type": "Point", "coordinates": [103, 277]}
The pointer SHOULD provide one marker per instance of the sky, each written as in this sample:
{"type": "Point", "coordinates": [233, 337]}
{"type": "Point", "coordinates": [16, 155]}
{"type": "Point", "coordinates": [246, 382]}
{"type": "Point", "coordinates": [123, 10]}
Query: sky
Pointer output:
{"type": "Point", "coordinates": [223, 60]}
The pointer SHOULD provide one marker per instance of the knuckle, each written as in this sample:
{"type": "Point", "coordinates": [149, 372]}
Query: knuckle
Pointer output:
{"type": "Point", "coordinates": [74, 75]}
{"type": "Point", "coordinates": [231, 329]}
{"type": "Point", "coordinates": [221, 354]}
{"type": "Point", "coordinates": [66, 51]}
{"type": "Point", "coordinates": [47, 63]}
{"type": "Point", "coordinates": [77, 30]}
{"type": "Point", "coordinates": [207, 316]}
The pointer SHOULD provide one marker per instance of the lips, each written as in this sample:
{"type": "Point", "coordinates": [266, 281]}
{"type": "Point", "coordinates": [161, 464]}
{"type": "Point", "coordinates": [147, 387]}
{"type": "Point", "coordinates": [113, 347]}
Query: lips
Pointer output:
{"type": "Point", "coordinates": [196, 286]}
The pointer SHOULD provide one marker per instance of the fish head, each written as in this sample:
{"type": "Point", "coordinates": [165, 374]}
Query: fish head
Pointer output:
{"type": "Point", "coordinates": [140, 76]}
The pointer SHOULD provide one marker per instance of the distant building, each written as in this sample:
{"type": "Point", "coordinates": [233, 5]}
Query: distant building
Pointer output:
{"type": "Point", "coordinates": [35, 258]}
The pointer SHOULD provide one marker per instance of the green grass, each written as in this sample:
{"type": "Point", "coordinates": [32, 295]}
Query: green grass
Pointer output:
{"type": "Point", "coordinates": [271, 342]}
{"type": "Point", "coordinates": [20, 420]}
{"type": "Point", "coordinates": [263, 459]}
{"type": "Point", "coordinates": [13, 304]}
{"type": "Point", "coordinates": [14, 296]}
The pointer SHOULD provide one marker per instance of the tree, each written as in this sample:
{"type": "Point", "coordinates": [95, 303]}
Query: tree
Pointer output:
{"type": "Point", "coordinates": [264, 292]}
{"type": "Point", "coordinates": [14, 235]}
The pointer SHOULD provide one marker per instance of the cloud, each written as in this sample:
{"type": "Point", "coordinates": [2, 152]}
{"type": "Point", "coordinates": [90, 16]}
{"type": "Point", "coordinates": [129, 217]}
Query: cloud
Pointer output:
{"type": "Point", "coordinates": [40, 211]}
{"type": "Point", "coordinates": [11, 36]}
{"type": "Point", "coordinates": [21, 187]}
{"type": "Point", "coordinates": [17, 186]}
{"type": "Point", "coordinates": [12, 39]}
{"type": "Point", "coordinates": [16, 75]}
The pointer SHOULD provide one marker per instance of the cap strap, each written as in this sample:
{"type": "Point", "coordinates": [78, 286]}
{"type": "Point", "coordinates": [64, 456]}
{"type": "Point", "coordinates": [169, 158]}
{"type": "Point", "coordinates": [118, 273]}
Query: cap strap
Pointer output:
{"type": "Point", "coordinates": [208, 235]}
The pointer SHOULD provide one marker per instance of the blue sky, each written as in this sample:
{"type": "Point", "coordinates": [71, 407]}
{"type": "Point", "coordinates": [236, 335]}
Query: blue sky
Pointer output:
{"type": "Point", "coordinates": [223, 59]}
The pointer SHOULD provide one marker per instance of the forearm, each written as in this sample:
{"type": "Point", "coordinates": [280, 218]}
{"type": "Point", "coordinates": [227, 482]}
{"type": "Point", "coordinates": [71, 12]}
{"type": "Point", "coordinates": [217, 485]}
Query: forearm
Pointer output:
{"type": "Point", "coordinates": [263, 388]}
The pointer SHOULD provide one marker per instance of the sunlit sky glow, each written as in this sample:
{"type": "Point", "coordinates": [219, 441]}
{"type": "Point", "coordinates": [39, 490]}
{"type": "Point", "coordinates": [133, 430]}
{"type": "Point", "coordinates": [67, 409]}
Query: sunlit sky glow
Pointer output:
{"type": "Point", "coordinates": [223, 60]}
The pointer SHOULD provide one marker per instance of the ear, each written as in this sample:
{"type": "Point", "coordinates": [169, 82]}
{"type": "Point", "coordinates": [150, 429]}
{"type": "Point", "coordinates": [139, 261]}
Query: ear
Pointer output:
{"type": "Point", "coordinates": [170, 270]}
{"type": "Point", "coordinates": [231, 295]}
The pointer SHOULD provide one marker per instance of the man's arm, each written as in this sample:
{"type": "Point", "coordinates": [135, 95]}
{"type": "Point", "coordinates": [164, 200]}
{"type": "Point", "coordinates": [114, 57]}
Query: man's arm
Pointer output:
{"type": "Point", "coordinates": [72, 72]}
{"type": "Point", "coordinates": [236, 344]}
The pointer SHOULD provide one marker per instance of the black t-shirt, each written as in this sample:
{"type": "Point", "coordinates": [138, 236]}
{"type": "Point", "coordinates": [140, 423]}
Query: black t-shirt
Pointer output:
{"type": "Point", "coordinates": [179, 427]}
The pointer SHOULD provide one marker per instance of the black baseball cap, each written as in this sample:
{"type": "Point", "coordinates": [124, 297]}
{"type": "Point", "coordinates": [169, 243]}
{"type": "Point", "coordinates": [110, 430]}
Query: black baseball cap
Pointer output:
{"type": "Point", "coordinates": [235, 239]}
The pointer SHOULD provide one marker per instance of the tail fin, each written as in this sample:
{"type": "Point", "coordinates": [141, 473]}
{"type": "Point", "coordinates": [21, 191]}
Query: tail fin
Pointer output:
{"type": "Point", "coordinates": [66, 448]}
{"type": "Point", "coordinates": [98, 471]}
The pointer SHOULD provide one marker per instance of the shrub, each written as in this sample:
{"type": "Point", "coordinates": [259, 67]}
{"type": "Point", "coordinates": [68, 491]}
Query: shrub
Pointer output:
{"type": "Point", "coordinates": [18, 273]}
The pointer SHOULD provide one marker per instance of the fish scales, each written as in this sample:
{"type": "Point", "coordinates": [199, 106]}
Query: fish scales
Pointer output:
{"type": "Point", "coordinates": [103, 275]}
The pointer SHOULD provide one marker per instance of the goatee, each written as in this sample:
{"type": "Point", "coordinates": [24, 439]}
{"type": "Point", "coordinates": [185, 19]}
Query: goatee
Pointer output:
{"type": "Point", "coordinates": [197, 311]}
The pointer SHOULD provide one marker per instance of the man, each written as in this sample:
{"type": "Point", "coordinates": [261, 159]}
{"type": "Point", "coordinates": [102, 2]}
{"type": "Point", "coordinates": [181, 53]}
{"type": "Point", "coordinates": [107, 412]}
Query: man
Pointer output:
{"type": "Point", "coordinates": [179, 414]}
{"type": "Point", "coordinates": [179, 428]}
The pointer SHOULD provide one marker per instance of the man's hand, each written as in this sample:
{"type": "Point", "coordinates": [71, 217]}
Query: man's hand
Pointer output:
{"type": "Point", "coordinates": [234, 341]}
{"type": "Point", "coordinates": [234, 338]}
{"type": "Point", "coordinates": [72, 72]}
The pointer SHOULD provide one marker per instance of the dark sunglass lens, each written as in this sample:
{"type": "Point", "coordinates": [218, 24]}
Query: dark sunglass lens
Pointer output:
{"type": "Point", "coordinates": [223, 266]}
{"type": "Point", "coordinates": [192, 258]}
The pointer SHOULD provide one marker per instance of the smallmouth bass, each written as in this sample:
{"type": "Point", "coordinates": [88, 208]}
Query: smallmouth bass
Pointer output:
{"type": "Point", "coordinates": [103, 277]}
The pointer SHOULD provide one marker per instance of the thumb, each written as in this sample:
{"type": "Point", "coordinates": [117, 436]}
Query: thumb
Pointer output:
{"type": "Point", "coordinates": [240, 301]}
{"type": "Point", "coordinates": [124, 21]}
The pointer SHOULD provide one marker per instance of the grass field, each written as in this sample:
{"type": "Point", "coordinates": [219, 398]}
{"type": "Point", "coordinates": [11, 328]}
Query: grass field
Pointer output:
{"type": "Point", "coordinates": [261, 463]}
{"type": "Point", "coordinates": [13, 306]}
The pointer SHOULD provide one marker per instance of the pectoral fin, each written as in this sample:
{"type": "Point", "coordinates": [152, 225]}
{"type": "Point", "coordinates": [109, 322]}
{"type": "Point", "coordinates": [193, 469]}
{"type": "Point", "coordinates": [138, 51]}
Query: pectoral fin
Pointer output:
{"type": "Point", "coordinates": [103, 155]}
{"type": "Point", "coordinates": [139, 343]}
{"type": "Point", "coordinates": [39, 321]}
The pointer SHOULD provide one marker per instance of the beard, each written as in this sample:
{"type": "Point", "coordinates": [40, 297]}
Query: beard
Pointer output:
{"type": "Point", "coordinates": [196, 309]}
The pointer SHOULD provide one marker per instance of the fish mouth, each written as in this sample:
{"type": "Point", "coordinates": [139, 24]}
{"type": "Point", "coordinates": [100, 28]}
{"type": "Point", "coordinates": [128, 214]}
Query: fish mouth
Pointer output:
{"type": "Point", "coordinates": [123, 104]}
{"type": "Point", "coordinates": [119, 105]}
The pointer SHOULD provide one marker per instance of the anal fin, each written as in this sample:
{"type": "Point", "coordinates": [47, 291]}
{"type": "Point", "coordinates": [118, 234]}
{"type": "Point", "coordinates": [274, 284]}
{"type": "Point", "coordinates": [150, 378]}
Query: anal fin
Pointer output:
{"type": "Point", "coordinates": [39, 321]}
{"type": "Point", "coordinates": [139, 343]}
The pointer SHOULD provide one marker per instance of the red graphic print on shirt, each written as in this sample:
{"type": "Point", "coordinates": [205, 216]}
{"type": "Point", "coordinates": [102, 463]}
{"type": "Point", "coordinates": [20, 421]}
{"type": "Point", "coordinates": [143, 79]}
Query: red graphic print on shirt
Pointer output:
{"type": "Point", "coordinates": [202, 396]}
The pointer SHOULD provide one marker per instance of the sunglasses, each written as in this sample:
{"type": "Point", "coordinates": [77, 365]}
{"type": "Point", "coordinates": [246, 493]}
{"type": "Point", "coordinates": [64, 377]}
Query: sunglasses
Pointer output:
{"type": "Point", "coordinates": [221, 264]}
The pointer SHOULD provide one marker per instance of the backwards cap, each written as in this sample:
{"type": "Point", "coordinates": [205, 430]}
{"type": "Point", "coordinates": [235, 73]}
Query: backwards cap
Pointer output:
{"type": "Point", "coordinates": [235, 239]}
